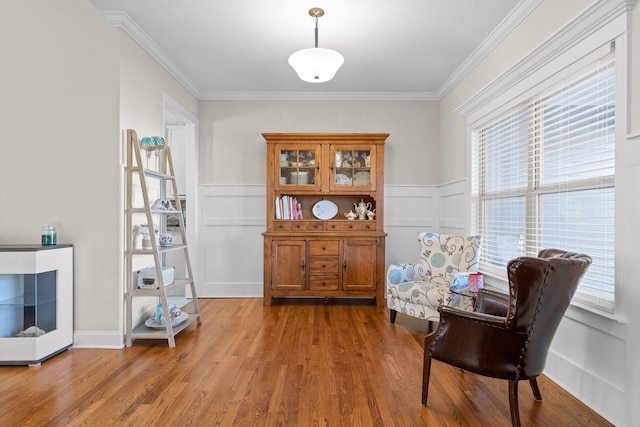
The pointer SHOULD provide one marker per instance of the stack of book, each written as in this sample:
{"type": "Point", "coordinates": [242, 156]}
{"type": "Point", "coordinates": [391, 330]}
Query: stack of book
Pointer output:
{"type": "Point", "coordinates": [287, 207]}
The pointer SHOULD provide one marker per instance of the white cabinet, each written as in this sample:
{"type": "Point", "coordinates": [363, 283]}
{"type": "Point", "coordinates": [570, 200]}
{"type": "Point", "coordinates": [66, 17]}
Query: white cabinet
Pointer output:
{"type": "Point", "coordinates": [36, 302]}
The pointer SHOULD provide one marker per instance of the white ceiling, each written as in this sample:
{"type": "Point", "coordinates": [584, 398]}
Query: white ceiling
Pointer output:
{"type": "Point", "coordinates": [408, 49]}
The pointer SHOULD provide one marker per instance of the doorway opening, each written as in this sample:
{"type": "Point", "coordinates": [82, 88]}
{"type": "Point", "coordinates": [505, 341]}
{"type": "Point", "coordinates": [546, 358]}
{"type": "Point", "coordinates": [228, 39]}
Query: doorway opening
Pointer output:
{"type": "Point", "coordinates": [180, 131]}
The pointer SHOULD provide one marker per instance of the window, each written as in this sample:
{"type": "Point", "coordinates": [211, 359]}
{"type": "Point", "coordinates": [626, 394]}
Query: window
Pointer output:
{"type": "Point", "coordinates": [543, 176]}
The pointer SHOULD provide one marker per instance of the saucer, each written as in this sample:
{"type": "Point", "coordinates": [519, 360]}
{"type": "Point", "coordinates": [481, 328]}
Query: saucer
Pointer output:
{"type": "Point", "coordinates": [151, 323]}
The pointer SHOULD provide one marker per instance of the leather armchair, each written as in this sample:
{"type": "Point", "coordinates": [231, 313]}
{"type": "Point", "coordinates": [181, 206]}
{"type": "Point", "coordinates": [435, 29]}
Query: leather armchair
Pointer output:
{"type": "Point", "coordinates": [508, 336]}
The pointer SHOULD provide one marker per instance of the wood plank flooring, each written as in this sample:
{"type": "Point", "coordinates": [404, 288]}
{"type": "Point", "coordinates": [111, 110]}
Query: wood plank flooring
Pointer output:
{"type": "Point", "coordinates": [295, 363]}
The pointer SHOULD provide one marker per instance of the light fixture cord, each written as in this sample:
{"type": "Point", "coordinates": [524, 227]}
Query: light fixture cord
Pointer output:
{"type": "Point", "coordinates": [316, 30]}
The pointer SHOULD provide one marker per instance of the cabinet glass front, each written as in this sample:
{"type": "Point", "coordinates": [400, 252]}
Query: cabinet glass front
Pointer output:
{"type": "Point", "coordinates": [27, 304]}
{"type": "Point", "coordinates": [353, 167]}
{"type": "Point", "coordinates": [298, 167]}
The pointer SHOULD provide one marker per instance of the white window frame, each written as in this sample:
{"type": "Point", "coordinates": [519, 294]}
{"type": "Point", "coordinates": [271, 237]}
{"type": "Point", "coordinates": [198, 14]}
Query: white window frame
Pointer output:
{"type": "Point", "coordinates": [559, 58]}
{"type": "Point", "coordinates": [533, 188]}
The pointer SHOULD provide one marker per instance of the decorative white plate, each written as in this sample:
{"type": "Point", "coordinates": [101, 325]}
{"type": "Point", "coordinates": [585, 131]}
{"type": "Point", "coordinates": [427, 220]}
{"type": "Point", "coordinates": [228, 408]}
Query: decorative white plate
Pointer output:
{"type": "Point", "coordinates": [362, 178]}
{"type": "Point", "coordinates": [325, 209]}
{"type": "Point", "coordinates": [342, 179]}
{"type": "Point", "coordinates": [151, 323]}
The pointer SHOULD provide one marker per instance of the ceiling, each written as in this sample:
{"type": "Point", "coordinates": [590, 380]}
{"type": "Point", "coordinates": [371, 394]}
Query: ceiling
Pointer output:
{"type": "Point", "coordinates": [412, 49]}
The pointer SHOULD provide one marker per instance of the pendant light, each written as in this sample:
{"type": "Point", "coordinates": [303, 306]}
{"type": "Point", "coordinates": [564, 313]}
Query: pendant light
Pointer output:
{"type": "Point", "coordinates": [316, 65]}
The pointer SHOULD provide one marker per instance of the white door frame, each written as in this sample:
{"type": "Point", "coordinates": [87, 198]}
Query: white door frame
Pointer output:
{"type": "Point", "coordinates": [171, 110]}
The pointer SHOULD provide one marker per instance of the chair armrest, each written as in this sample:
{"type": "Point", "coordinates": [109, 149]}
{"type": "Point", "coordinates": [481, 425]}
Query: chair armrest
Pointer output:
{"type": "Point", "coordinates": [492, 302]}
{"type": "Point", "coordinates": [405, 272]}
{"type": "Point", "coordinates": [448, 313]}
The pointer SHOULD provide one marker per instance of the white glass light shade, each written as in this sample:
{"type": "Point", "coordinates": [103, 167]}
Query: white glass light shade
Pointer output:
{"type": "Point", "coordinates": [316, 65]}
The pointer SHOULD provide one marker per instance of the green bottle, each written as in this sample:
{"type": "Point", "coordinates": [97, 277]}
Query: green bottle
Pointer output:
{"type": "Point", "coordinates": [49, 237]}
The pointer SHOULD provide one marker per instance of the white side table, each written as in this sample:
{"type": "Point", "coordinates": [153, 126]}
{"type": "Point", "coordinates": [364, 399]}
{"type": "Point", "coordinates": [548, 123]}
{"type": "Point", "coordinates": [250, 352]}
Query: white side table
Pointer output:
{"type": "Point", "coordinates": [36, 302]}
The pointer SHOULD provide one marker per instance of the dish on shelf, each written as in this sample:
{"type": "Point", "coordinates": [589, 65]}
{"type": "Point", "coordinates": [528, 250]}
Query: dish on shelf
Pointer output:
{"type": "Point", "coordinates": [342, 179]}
{"type": "Point", "coordinates": [362, 178]}
{"type": "Point", "coordinates": [151, 323]}
{"type": "Point", "coordinates": [325, 209]}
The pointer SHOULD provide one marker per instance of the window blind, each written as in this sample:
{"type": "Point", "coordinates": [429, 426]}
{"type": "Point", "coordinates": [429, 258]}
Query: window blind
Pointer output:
{"type": "Point", "coordinates": [543, 176]}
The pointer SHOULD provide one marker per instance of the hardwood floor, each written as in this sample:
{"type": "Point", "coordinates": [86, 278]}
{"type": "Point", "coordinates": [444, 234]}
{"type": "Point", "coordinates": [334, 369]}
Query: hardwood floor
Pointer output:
{"type": "Point", "coordinates": [296, 363]}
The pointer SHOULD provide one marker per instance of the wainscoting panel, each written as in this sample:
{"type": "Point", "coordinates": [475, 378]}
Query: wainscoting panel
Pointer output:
{"type": "Point", "coordinates": [590, 364]}
{"type": "Point", "coordinates": [233, 220]}
{"type": "Point", "coordinates": [408, 210]}
{"type": "Point", "coordinates": [454, 208]}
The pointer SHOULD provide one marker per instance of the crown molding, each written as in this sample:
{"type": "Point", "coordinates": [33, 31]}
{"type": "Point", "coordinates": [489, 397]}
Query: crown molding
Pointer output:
{"type": "Point", "coordinates": [123, 20]}
{"type": "Point", "coordinates": [515, 17]}
{"type": "Point", "coordinates": [319, 96]}
{"type": "Point", "coordinates": [594, 17]}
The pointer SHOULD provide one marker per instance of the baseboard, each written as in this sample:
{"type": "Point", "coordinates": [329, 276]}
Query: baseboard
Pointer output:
{"type": "Point", "coordinates": [231, 290]}
{"type": "Point", "coordinates": [113, 340]}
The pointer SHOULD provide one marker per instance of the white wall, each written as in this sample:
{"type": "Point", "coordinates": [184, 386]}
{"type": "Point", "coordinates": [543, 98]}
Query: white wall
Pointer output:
{"type": "Point", "coordinates": [59, 158]}
{"type": "Point", "coordinates": [232, 150]}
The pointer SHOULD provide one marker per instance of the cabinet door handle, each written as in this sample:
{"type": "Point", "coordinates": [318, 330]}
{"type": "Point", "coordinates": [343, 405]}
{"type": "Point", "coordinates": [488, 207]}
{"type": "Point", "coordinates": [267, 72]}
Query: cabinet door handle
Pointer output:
{"type": "Point", "coordinates": [303, 264]}
{"type": "Point", "coordinates": [344, 265]}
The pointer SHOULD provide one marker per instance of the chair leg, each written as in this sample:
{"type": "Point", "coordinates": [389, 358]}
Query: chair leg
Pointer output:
{"type": "Point", "coordinates": [534, 388]}
{"type": "Point", "coordinates": [426, 367]}
{"type": "Point", "coordinates": [513, 403]}
{"type": "Point", "coordinates": [392, 316]}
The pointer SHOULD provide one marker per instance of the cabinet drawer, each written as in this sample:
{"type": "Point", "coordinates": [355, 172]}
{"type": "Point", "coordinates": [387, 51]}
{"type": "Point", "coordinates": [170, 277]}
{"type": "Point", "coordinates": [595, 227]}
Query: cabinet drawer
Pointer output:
{"type": "Point", "coordinates": [299, 225]}
{"type": "Point", "coordinates": [334, 225]}
{"type": "Point", "coordinates": [316, 226]}
{"type": "Point", "coordinates": [351, 226]}
{"type": "Point", "coordinates": [282, 225]}
{"type": "Point", "coordinates": [324, 283]}
{"type": "Point", "coordinates": [368, 226]}
{"type": "Point", "coordinates": [324, 247]}
{"type": "Point", "coordinates": [324, 265]}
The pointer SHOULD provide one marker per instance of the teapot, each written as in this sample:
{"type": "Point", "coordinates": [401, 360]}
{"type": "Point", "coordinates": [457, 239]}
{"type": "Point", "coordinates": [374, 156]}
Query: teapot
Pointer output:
{"type": "Point", "coordinates": [351, 215]}
{"type": "Point", "coordinates": [362, 208]}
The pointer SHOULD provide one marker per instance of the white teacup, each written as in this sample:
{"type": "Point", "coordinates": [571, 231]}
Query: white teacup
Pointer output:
{"type": "Point", "coordinates": [165, 239]}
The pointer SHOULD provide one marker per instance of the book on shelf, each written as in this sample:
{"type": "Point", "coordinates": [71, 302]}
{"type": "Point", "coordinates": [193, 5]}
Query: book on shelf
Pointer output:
{"type": "Point", "coordinates": [288, 207]}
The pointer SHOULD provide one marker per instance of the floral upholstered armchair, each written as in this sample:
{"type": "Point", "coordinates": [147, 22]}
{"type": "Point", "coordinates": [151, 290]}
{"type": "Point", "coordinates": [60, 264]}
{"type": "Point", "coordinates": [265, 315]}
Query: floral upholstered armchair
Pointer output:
{"type": "Point", "coordinates": [418, 289]}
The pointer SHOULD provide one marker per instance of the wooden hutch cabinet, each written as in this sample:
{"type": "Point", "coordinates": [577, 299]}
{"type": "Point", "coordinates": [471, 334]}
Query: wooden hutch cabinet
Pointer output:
{"type": "Point", "coordinates": [311, 247]}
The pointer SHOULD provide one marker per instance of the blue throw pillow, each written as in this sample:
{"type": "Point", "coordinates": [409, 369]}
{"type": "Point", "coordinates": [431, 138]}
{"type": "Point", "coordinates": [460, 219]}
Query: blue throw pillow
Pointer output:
{"type": "Point", "coordinates": [460, 281]}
